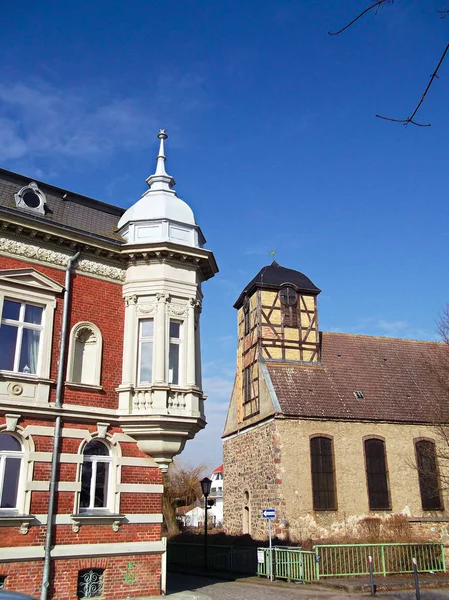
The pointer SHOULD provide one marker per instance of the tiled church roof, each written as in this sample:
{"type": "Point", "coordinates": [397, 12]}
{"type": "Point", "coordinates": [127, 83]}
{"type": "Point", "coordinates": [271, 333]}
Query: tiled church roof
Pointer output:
{"type": "Point", "coordinates": [75, 212]}
{"type": "Point", "coordinates": [394, 376]}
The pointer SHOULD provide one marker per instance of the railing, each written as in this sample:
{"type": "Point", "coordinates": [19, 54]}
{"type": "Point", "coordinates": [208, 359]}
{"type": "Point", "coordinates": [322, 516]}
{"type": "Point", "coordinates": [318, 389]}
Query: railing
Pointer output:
{"type": "Point", "coordinates": [234, 559]}
{"type": "Point", "coordinates": [293, 564]}
{"type": "Point", "coordinates": [344, 560]}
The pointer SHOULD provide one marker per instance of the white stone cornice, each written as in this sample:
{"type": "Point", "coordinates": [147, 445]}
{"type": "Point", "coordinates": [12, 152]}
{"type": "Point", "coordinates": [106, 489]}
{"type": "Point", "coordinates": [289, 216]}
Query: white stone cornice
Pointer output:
{"type": "Point", "coordinates": [38, 253]}
{"type": "Point", "coordinates": [146, 310]}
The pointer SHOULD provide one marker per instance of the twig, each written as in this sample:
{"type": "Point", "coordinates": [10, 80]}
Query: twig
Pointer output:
{"type": "Point", "coordinates": [411, 117]}
{"type": "Point", "coordinates": [376, 5]}
{"type": "Point", "coordinates": [443, 13]}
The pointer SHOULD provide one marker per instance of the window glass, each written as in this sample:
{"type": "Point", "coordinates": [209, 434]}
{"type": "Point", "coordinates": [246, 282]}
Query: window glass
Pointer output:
{"type": "Point", "coordinates": [173, 364]}
{"type": "Point", "coordinates": [95, 476]}
{"type": "Point", "coordinates": [96, 448]}
{"type": "Point", "coordinates": [101, 485]}
{"type": "Point", "coordinates": [146, 362]}
{"type": "Point", "coordinates": [429, 484]}
{"type": "Point", "coordinates": [33, 314]}
{"type": "Point", "coordinates": [29, 352]}
{"type": "Point", "coordinates": [323, 483]}
{"type": "Point", "coordinates": [10, 482]}
{"type": "Point", "coordinates": [147, 327]}
{"type": "Point", "coordinates": [9, 442]}
{"type": "Point", "coordinates": [8, 339]}
{"type": "Point", "coordinates": [376, 472]}
{"type": "Point", "coordinates": [175, 329]}
{"type": "Point", "coordinates": [11, 310]}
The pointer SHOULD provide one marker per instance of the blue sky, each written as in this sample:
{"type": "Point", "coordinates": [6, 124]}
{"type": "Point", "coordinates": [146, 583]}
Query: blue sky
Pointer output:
{"type": "Point", "coordinates": [273, 142]}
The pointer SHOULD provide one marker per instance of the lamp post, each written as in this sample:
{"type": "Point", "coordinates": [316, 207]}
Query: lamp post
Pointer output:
{"type": "Point", "coordinates": [205, 488]}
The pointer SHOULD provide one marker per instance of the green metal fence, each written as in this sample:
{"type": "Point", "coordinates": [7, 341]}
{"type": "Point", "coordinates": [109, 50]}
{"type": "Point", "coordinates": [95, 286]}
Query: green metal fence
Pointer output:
{"type": "Point", "coordinates": [346, 560]}
{"type": "Point", "coordinates": [293, 564]}
{"type": "Point", "coordinates": [343, 560]}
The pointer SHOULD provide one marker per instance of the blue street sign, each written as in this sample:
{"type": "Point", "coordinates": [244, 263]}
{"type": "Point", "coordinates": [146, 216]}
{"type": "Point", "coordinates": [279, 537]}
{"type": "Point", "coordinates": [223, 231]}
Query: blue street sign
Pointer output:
{"type": "Point", "coordinates": [269, 513]}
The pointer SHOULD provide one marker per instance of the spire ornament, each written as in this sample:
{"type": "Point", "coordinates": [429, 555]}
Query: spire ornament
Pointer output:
{"type": "Point", "coordinates": [161, 180]}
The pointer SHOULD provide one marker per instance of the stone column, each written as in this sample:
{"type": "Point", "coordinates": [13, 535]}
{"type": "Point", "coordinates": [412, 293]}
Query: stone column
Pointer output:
{"type": "Point", "coordinates": [160, 334]}
{"type": "Point", "coordinates": [129, 342]}
{"type": "Point", "coordinates": [191, 345]}
{"type": "Point", "coordinates": [198, 346]}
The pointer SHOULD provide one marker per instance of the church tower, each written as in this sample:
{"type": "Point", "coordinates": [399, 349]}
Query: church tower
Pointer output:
{"type": "Point", "coordinates": [277, 319]}
{"type": "Point", "coordinates": [161, 374]}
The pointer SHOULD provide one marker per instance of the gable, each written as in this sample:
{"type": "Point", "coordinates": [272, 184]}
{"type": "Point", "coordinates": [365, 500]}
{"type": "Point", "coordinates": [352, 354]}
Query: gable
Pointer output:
{"type": "Point", "coordinates": [30, 279]}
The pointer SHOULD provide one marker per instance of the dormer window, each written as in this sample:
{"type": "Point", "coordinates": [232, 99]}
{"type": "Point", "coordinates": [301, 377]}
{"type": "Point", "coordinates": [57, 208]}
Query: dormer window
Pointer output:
{"type": "Point", "coordinates": [31, 198]}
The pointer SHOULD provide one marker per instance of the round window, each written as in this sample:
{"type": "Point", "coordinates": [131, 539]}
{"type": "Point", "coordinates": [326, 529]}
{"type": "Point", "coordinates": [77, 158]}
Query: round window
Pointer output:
{"type": "Point", "coordinates": [288, 296]}
{"type": "Point", "coordinates": [31, 199]}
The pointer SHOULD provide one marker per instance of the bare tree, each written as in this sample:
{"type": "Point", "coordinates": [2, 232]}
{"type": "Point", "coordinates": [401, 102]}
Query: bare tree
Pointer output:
{"type": "Point", "coordinates": [374, 8]}
{"type": "Point", "coordinates": [181, 488]}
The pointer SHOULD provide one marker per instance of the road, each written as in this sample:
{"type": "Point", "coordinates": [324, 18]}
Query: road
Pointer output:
{"type": "Point", "coordinates": [192, 587]}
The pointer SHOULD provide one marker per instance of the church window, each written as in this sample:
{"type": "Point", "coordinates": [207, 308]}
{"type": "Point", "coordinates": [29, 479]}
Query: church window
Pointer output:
{"type": "Point", "coordinates": [246, 318]}
{"type": "Point", "coordinates": [20, 335]}
{"type": "Point", "coordinates": [289, 306]}
{"type": "Point", "coordinates": [323, 479]}
{"type": "Point", "coordinates": [11, 455]}
{"type": "Point", "coordinates": [95, 475]}
{"type": "Point", "coordinates": [146, 329]}
{"type": "Point", "coordinates": [174, 352]}
{"type": "Point", "coordinates": [84, 364]}
{"type": "Point", "coordinates": [429, 484]}
{"type": "Point", "coordinates": [377, 474]}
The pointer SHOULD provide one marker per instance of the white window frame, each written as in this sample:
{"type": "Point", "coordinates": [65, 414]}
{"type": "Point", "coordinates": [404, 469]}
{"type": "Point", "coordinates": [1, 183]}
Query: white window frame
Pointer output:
{"type": "Point", "coordinates": [71, 353]}
{"type": "Point", "coordinates": [145, 339]}
{"type": "Point", "coordinates": [17, 285]}
{"type": "Point", "coordinates": [4, 455]}
{"type": "Point", "coordinates": [94, 459]}
{"type": "Point", "coordinates": [180, 342]}
{"type": "Point", "coordinates": [26, 474]}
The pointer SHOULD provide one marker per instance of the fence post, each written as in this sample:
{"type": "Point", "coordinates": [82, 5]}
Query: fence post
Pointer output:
{"type": "Point", "coordinates": [317, 563]}
{"type": "Point", "coordinates": [371, 576]}
{"type": "Point", "coordinates": [443, 557]}
{"type": "Point", "coordinates": [382, 552]}
{"type": "Point", "coordinates": [415, 577]}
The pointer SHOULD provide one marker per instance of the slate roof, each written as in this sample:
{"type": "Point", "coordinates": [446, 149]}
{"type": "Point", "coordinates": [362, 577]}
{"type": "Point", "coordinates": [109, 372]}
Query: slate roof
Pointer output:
{"type": "Point", "coordinates": [393, 374]}
{"type": "Point", "coordinates": [76, 212]}
{"type": "Point", "coordinates": [273, 276]}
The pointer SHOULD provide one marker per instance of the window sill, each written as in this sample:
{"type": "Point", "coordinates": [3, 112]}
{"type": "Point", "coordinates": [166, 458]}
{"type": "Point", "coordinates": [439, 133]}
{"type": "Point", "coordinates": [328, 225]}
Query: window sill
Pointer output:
{"type": "Point", "coordinates": [11, 519]}
{"type": "Point", "coordinates": [24, 377]}
{"type": "Point", "coordinates": [84, 386]}
{"type": "Point", "coordinates": [96, 518]}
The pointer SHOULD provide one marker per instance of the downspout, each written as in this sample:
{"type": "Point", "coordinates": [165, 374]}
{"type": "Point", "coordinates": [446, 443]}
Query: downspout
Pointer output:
{"type": "Point", "coordinates": [57, 436]}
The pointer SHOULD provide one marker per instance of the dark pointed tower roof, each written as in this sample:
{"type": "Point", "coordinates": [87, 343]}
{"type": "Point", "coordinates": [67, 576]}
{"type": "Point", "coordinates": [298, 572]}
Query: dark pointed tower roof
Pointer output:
{"type": "Point", "coordinates": [274, 276]}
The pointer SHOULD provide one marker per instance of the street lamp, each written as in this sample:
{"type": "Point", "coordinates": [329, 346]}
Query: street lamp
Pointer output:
{"type": "Point", "coordinates": [205, 488]}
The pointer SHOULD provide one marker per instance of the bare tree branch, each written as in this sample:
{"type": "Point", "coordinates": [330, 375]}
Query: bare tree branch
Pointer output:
{"type": "Point", "coordinates": [410, 119]}
{"type": "Point", "coordinates": [375, 6]}
{"type": "Point", "coordinates": [443, 13]}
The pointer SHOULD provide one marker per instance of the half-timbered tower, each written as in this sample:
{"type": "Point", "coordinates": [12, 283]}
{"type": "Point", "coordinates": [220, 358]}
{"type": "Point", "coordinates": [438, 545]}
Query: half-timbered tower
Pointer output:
{"type": "Point", "coordinates": [329, 428]}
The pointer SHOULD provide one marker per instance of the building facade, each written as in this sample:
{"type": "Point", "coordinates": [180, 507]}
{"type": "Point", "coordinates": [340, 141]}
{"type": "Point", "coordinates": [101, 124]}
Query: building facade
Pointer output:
{"type": "Point", "coordinates": [100, 382]}
{"type": "Point", "coordinates": [329, 428]}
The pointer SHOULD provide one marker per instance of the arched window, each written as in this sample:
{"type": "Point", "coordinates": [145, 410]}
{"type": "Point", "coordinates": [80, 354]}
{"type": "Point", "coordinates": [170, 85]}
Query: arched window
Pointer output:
{"type": "Point", "coordinates": [84, 364]}
{"type": "Point", "coordinates": [323, 480]}
{"type": "Point", "coordinates": [11, 455]}
{"type": "Point", "coordinates": [95, 476]}
{"type": "Point", "coordinates": [376, 474]}
{"type": "Point", "coordinates": [289, 306]}
{"type": "Point", "coordinates": [246, 525]}
{"type": "Point", "coordinates": [429, 484]}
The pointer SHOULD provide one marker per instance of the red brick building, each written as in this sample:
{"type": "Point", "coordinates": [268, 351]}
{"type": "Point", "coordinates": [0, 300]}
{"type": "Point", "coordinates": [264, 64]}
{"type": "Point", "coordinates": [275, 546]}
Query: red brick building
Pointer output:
{"type": "Point", "coordinates": [100, 382]}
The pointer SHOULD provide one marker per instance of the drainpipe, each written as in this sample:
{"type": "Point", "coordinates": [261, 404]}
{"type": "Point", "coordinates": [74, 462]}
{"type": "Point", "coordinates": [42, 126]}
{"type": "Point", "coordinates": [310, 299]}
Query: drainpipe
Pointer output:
{"type": "Point", "coordinates": [57, 436]}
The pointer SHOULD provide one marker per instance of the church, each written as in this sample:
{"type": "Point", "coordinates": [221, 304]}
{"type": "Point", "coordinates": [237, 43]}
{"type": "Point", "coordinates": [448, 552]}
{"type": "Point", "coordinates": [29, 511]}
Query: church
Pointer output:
{"type": "Point", "coordinates": [100, 382]}
{"type": "Point", "coordinates": [329, 429]}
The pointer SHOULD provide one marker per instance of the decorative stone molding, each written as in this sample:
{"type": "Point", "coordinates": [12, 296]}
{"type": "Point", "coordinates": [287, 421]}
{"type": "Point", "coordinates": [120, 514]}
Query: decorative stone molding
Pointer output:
{"type": "Point", "coordinates": [11, 421]}
{"type": "Point", "coordinates": [177, 310]}
{"type": "Point", "coordinates": [15, 389]}
{"type": "Point", "coordinates": [53, 257]}
{"type": "Point", "coordinates": [162, 297]}
{"type": "Point", "coordinates": [96, 519]}
{"type": "Point", "coordinates": [146, 309]}
{"type": "Point", "coordinates": [102, 429]}
{"type": "Point", "coordinates": [130, 300]}
{"type": "Point", "coordinates": [15, 520]}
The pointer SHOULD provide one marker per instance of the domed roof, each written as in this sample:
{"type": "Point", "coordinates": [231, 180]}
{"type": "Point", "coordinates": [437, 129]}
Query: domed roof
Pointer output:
{"type": "Point", "coordinates": [160, 215]}
{"type": "Point", "coordinates": [273, 277]}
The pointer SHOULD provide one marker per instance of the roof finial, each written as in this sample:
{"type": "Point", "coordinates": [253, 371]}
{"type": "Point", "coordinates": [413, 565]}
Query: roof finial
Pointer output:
{"type": "Point", "coordinates": [161, 180]}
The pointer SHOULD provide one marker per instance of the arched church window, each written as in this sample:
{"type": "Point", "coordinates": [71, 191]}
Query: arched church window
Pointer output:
{"type": "Point", "coordinates": [377, 474]}
{"type": "Point", "coordinates": [85, 348]}
{"type": "Point", "coordinates": [323, 473]}
{"type": "Point", "coordinates": [11, 455]}
{"type": "Point", "coordinates": [429, 483]}
{"type": "Point", "coordinates": [289, 306]}
{"type": "Point", "coordinates": [95, 476]}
